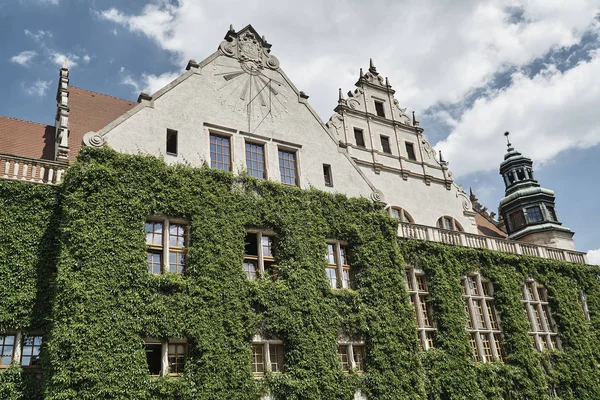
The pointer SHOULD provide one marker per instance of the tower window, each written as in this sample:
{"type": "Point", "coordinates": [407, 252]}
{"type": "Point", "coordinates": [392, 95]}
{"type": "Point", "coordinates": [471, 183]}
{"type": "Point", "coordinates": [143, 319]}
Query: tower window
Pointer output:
{"type": "Point", "coordinates": [385, 144]}
{"type": "Point", "coordinates": [410, 151]}
{"type": "Point", "coordinates": [171, 142]}
{"type": "Point", "coordinates": [379, 108]}
{"type": "Point", "coordinates": [520, 174]}
{"type": "Point", "coordinates": [534, 214]}
{"type": "Point", "coordinates": [551, 213]}
{"type": "Point", "coordinates": [517, 219]}
{"type": "Point", "coordinates": [359, 137]}
{"type": "Point", "coordinates": [327, 175]}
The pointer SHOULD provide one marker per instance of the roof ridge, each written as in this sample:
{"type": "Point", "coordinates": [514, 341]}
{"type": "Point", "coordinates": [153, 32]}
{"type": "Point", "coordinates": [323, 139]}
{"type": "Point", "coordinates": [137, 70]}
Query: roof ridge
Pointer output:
{"type": "Point", "coordinates": [24, 120]}
{"type": "Point", "coordinates": [102, 94]}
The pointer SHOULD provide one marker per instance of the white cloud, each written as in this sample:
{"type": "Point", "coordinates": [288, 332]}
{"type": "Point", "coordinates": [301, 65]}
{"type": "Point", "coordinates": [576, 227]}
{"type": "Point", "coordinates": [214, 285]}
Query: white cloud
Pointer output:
{"type": "Point", "coordinates": [86, 59]}
{"type": "Point", "coordinates": [51, 2]}
{"type": "Point", "coordinates": [438, 51]}
{"type": "Point", "coordinates": [148, 83]}
{"type": "Point", "coordinates": [23, 58]}
{"type": "Point", "coordinates": [549, 113]}
{"type": "Point", "coordinates": [38, 35]}
{"type": "Point", "coordinates": [59, 59]}
{"type": "Point", "coordinates": [594, 257]}
{"type": "Point", "coordinates": [37, 88]}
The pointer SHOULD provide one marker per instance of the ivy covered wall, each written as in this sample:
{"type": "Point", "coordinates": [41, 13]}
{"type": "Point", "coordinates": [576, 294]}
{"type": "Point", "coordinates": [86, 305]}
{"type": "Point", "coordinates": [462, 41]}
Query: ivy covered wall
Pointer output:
{"type": "Point", "coordinates": [79, 273]}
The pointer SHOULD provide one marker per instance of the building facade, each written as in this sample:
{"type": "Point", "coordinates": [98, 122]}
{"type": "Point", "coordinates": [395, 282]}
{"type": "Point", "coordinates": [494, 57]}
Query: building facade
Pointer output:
{"type": "Point", "coordinates": [311, 298]}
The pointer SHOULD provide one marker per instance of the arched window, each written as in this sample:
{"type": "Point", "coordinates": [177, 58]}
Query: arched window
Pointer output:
{"type": "Point", "coordinates": [449, 223]}
{"type": "Point", "coordinates": [401, 215]}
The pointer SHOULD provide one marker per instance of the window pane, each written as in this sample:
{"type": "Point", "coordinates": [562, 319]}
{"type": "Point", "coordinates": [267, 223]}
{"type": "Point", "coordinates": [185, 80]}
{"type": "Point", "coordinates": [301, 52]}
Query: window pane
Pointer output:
{"type": "Point", "coordinates": [343, 355]}
{"type": "Point", "coordinates": [359, 138]}
{"type": "Point", "coordinates": [276, 355]}
{"type": "Point", "coordinates": [154, 233]}
{"type": "Point", "coordinates": [268, 248]}
{"type": "Point", "coordinates": [332, 276]}
{"type": "Point", "coordinates": [176, 358]}
{"type": "Point", "coordinates": [31, 350]}
{"type": "Point", "coordinates": [331, 256]}
{"type": "Point", "coordinates": [250, 269]}
{"type": "Point", "coordinates": [176, 235]}
{"type": "Point", "coordinates": [153, 357]}
{"type": "Point", "coordinates": [219, 152]}
{"type": "Point", "coordinates": [359, 357]}
{"type": "Point", "coordinates": [287, 167]}
{"type": "Point", "coordinates": [176, 262]}
{"type": "Point", "coordinates": [258, 359]}
{"type": "Point", "coordinates": [154, 262]}
{"type": "Point", "coordinates": [6, 349]}
{"type": "Point", "coordinates": [534, 214]}
{"type": "Point", "coordinates": [410, 151]}
{"type": "Point", "coordinates": [255, 160]}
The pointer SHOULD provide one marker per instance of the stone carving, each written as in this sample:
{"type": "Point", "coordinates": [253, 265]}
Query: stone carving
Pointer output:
{"type": "Point", "coordinates": [377, 195]}
{"type": "Point", "coordinates": [466, 203]}
{"type": "Point", "coordinates": [428, 150]}
{"type": "Point", "coordinates": [337, 123]}
{"type": "Point", "coordinates": [353, 103]}
{"type": "Point", "coordinates": [403, 117]}
{"type": "Point", "coordinates": [249, 49]}
{"type": "Point", "coordinates": [92, 139]}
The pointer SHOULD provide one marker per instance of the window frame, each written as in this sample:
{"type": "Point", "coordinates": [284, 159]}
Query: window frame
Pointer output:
{"type": "Point", "coordinates": [165, 249]}
{"type": "Point", "coordinates": [386, 149]}
{"type": "Point", "coordinates": [379, 107]}
{"type": "Point", "coordinates": [418, 295]}
{"type": "Point", "coordinates": [18, 345]}
{"type": "Point", "coordinates": [362, 137]}
{"type": "Point", "coordinates": [294, 153]}
{"type": "Point", "coordinates": [349, 347]}
{"type": "Point", "coordinates": [170, 133]}
{"type": "Point", "coordinates": [535, 302]}
{"type": "Point", "coordinates": [165, 369]}
{"type": "Point", "coordinates": [404, 215]}
{"type": "Point", "coordinates": [483, 324]}
{"type": "Point", "coordinates": [267, 346]}
{"type": "Point", "coordinates": [214, 163]}
{"type": "Point", "coordinates": [250, 160]}
{"type": "Point", "coordinates": [410, 145]}
{"type": "Point", "coordinates": [327, 175]}
{"type": "Point", "coordinates": [344, 273]}
{"type": "Point", "coordinates": [537, 213]}
{"type": "Point", "coordinates": [455, 226]}
{"type": "Point", "coordinates": [261, 258]}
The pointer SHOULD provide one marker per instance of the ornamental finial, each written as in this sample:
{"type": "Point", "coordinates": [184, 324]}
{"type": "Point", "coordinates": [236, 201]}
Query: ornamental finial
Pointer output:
{"type": "Point", "coordinates": [231, 28]}
{"type": "Point", "coordinates": [340, 96]}
{"type": "Point", "coordinates": [361, 74]}
{"type": "Point", "coordinates": [372, 68]}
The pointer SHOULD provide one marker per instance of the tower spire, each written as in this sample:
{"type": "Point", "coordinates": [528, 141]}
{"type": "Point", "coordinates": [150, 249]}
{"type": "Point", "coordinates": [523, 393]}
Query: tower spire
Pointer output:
{"type": "Point", "coordinates": [372, 68]}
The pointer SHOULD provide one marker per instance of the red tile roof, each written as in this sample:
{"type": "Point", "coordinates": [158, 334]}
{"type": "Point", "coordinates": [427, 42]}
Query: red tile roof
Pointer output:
{"type": "Point", "coordinates": [485, 227]}
{"type": "Point", "coordinates": [91, 111]}
{"type": "Point", "coordinates": [26, 139]}
{"type": "Point", "coordinates": [88, 111]}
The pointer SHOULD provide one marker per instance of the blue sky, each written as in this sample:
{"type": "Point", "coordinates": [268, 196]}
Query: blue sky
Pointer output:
{"type": "Point", "coordinates": [470, 69]}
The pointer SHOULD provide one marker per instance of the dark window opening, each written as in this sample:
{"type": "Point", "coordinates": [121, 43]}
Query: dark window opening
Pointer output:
{"type": "Point", "coordinates": [171, 141]}
{"type": "Point", "coordinates": [385, 145]}
{"type": "Point", "coordinates": [517, 219]}
{"type": "Point", "coordinates": [511, 177]}
{"type": "Point", "coordinates": [520, 174]}
{"type": "Point", "coordinates": [534, 214]}
{"type": "Point", "coordinates": [251, 244]}
{"type": "Point", "coordinates": [154, 358]}
{"type": "Point", "coordinates": [410, 150]}
{"type": "Point", "coordinates": [379, 108]}
{"type": "Point", "coordinates": [327, 175]}
{"type": "Point", "coordinates": [359, 137]}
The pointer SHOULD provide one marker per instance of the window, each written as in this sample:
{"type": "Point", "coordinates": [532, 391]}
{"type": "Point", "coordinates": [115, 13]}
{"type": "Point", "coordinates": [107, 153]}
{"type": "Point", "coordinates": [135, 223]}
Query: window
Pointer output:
{"type": "Point", "coordinates": [351, 355]}
{"type": "Point", "coordinates": [327, 175]}
{"type": "Point", "coordinates": [30, 350]}
{"type": "Point", "coordinates": [255, 160]}
{"type": "Point", "coordinates": [551, 213]}
{"type": "Point", "coordinates": [534, 214]}
{"type": "Point", "coordinates": [543, 327]}
{"type": "Point", "coordinates": [339, 272]}
{"type": "Point", "coordinates": [419, 295]}
{"type": "Point", "coordinates": [267, 356]}
{"type": "Point", "coordinates": [517, 219]}
{"type": "Point", "coordinates": [287, 167]}
{"type": "Point", "coordinates": [220, 155]}
{"type": "Point", "coordinates": [410, 151]}
{"type": "Point", "coordinates": [379, 108]}
{"type": "Point", "coordinates": [260, 254]}
{"type": "Point", "coordinates": [159, 232]}
{"type": "Point", "coordinates": [166, 357]}
{"type": "Point", "coordinates": [359, 137]}
{"type": "Point", "coordinates": [171, 142]}
{"type": "Point", "coordinates": [401, 215]}
{"type": "Point", "coordinates": [483, 325]}
{"type": "Point", "coordinates": [449, 223]}
{"type": "Point", "coordinates": [385, 144]}
{"type": "Point", "coordinates": [7, 349]}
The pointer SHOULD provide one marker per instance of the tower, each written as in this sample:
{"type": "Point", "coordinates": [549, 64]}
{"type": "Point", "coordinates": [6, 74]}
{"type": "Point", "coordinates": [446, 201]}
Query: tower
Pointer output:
{"type": "Point", "coordinates": [528, 209]}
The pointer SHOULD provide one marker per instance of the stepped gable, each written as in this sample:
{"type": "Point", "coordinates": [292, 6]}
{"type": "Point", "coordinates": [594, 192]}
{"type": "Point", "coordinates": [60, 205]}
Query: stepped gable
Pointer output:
{"type": "Point", "coordinates": [91, 111]}
{"type": "Point", "coordinates": [26, 138]}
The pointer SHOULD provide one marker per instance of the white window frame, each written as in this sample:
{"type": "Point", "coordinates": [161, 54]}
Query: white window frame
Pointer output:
{"type": "Point", "coordinates": [267, 343]}
{"type": "Point", "coordinates": [340, 266]}
{"type": "Point", "coordinates": [350, 345]}
{"type": "Point", "coordinates": [418, 298]}
{"type": "Point", "coordinates": [164, 361]}
{"type": "Point", "coordinates": [166, 248]}
{"type": "Point", "coordinates": [488, 331]}
{"type": "Point", "coordinates": [455, 225]}
{"type": "Point", "coordinates": [405, 216]}
{"type": "Point", "coordinates": [545, 338]}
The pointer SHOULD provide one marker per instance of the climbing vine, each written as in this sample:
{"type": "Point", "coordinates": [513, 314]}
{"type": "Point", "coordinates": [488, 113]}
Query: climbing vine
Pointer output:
{"type": "Point", "coordinates": [80, 276]}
